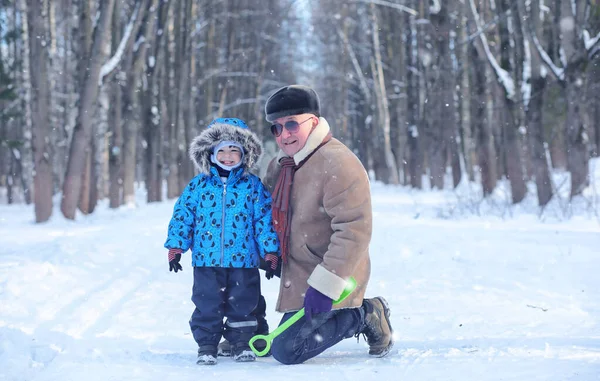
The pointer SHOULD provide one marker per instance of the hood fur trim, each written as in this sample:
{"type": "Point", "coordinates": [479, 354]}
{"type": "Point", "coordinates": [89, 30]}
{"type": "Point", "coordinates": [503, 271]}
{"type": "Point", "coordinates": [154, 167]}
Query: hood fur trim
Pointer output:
{"type": "Point", "coordinates": [202, 146]}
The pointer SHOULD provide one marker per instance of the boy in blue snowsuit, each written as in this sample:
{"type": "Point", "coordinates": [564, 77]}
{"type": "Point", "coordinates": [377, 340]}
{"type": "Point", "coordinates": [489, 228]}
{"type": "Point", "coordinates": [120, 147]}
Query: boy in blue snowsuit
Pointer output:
{"type": "Point", "coordinates": [224, 217]}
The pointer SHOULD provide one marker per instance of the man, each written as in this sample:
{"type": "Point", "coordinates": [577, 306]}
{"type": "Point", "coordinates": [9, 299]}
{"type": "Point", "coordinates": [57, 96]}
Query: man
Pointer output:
{"type": "Point", "coordinates": [322, 215]}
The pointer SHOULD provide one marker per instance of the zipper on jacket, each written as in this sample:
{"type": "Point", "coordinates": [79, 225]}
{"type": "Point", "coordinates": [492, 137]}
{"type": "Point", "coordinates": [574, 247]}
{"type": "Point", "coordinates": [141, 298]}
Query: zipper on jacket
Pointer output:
{"type": "Point", "coordinates": [223, 223]}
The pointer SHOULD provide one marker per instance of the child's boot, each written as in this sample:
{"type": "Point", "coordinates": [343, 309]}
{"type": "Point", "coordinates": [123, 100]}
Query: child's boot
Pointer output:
{"type": "Point", "coordinates": [224, 348]}
{"type": "Point", "coordinates": [207, 355]}
{"type": "Point", "coordinates": [242, 353]}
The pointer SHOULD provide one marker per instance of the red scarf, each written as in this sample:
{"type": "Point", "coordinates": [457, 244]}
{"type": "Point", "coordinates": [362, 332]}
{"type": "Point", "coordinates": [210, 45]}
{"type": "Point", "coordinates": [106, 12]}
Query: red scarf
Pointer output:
{"type": "Point", "coordinates": [281, 198]}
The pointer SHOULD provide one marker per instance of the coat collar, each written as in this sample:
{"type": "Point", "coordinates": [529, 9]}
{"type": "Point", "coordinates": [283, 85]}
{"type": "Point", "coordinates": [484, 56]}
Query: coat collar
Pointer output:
{"type": "Point", "coordinates": [314, 140]}
{"type": "Point", "coordinates": [234, 175]}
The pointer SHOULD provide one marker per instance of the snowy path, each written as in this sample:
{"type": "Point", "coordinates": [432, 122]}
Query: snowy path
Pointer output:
{"type": "Point", "coordinates": [472, 299]}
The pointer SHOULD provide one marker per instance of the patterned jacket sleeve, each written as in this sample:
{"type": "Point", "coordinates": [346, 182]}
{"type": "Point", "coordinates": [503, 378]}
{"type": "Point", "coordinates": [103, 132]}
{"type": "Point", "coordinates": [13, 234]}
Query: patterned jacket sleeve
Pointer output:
{"type": "Point", "coordinates": [181, 226]}
{"type": "Point", "coordinates": [265, 235]}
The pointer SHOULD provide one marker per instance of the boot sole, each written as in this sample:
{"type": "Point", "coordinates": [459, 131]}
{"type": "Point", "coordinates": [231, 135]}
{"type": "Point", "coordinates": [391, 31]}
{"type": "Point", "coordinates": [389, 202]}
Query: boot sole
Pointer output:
{"type": "Point", "coordinates": [207, 361]}
{"type": "Point", "coordinates": [387, 313]}
{"type": "Point", "coordinates": [246, 356]}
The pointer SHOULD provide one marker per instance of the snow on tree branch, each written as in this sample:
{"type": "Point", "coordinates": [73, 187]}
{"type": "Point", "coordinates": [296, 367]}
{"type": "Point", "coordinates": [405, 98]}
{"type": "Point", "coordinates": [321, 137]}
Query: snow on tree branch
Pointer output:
{"type": "Point", "coordinates": [590, 42]}
{"type": "Point", "coordinates": [558, 72]}
{"type": "Point", "coordinates": [112, 63]}
{"type": "Point", "coordinates": [435, 7]}
{"type": "Point", "coordinates": [503, 76]}
{"type": "Point", "coordinates": [138, 42]}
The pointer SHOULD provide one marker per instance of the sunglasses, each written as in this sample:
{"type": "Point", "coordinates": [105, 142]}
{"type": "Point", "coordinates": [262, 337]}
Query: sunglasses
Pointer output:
{"type": "Point", "coordinates": [291, 125]}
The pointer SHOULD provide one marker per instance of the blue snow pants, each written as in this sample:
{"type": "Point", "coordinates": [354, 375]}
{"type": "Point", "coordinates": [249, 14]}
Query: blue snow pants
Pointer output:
{"type": "Point", "coordinates": [230, 293]}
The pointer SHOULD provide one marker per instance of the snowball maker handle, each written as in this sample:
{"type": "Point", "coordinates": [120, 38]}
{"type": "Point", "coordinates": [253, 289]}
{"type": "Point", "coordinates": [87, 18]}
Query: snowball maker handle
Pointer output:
{"type": "Point", "coordinates": [350, 286]}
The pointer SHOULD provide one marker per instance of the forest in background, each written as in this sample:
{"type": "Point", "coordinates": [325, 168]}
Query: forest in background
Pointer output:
{"type": "Point", "coordinates": [97, 96]}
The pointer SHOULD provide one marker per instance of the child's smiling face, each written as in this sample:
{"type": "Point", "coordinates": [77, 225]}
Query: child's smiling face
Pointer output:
{"type": "Point", "coordinates": [229, 156]}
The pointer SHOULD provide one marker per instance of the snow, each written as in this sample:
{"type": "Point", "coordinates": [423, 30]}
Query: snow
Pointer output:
{"type": "Point", "coordinates": [590, 42]}
{"type": "Point", "coordinates": [479, 290]}
{"type": "Point", "coordinates": [567, 24]}
{"type": "Point", "coordinates": [435, 7]}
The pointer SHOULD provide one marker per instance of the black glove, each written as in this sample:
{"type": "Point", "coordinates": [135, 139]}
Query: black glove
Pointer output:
{"type": "Point", "coordinates": [272, 266]}
{"type": "Point", "coordinates": [174, 258]}
{"type": "Point", "coordinates": [174, 264]}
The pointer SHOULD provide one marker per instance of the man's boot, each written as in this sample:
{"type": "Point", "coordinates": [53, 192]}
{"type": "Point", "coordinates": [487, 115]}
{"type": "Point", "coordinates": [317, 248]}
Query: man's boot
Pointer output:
{"type": "Point", "coordinates": [377, 327]}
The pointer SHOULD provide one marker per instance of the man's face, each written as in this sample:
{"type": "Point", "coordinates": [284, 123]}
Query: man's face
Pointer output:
{"type": "Point", "coordinates": [291, 142]}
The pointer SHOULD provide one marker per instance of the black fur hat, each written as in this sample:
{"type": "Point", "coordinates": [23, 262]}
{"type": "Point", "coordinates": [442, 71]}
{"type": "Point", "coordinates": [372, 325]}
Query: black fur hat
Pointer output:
{"type": "Point", "coordinates": [221, 129]}
{"type": "Point", "coordinates": [292, 100]}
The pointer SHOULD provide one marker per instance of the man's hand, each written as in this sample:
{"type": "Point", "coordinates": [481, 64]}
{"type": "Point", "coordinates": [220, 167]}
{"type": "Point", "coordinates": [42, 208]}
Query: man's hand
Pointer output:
{"type": "Point", "coordinates": [315, 303]}
{"type": "Point", "coordinates": [174, 258]}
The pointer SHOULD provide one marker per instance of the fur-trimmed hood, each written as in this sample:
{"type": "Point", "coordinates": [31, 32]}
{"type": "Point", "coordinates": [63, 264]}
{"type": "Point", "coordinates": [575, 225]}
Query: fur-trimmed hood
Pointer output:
{"type": "Point", "coordinates": [222, 129]}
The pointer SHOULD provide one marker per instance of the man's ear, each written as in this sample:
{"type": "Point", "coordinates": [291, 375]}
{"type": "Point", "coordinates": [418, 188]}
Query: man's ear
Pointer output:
{"type": "Point", "coordinates": [315, 121]}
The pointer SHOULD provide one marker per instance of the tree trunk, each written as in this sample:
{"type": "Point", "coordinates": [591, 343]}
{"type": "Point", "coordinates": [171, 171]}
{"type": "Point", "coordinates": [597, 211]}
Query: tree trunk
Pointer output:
{"type": "Point", "coordinates": [575, 129]}
{"type": "Point", "coordinates": [415, 158]}
{"type": "Point", "coordinates": [173, 64]}
{"type": "Point", "coordinates": [37, 13]}
{"type": "Point", "coordinates": [442, 140]}
{"type": "Point", "coordinates": [115, 148]}
{"type": "Point", "coordinates": [511, 117]}
{"type": "Point", "coordinates": [133, 67]}
{"type": "Point", "coordinates": [577, 154]}
{"type": "Point", "coordinates": [188, 98]}
{"type": "Point", "coordinates": [464, 98]}
{"type": "Point", "coordinates": [534, 113]}
{"type": "Point", "coordinates": [86, 181]}
{"type": "Point", "coordinates": [433, 48]}
{"type": "Point", "coordinates": [81, 133]}
{"type": "Point", "coordinates": [25, 162]}
{"type": "Point", "coordinates": [391, 172]}
{"type": "Point", "coordinates": [486, 155]}
{"type": "Point", "coordinates": [154, 109]}
{"type": "Point", "coordinates": [537, 141]}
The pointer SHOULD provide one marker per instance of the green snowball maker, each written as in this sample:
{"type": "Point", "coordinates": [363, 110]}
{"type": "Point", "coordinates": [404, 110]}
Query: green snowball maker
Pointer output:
{"type": "Point", "coordinates": [350, 286]}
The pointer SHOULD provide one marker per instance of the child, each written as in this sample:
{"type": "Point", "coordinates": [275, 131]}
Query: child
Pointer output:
{"type": "Point", "coordinates": [224, 217]}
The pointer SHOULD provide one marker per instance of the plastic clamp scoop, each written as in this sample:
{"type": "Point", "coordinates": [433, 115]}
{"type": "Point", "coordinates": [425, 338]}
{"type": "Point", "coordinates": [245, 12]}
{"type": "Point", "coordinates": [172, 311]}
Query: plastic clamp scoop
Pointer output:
{"type": "Point", "coordinates": [350, 286]}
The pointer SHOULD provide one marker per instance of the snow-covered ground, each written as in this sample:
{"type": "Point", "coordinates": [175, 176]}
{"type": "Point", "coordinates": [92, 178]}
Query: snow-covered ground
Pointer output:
{"type": "Point", "coordinates": [498, 296]}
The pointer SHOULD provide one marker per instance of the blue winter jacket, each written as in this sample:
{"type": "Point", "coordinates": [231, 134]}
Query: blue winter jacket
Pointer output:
{"type": "Point", "coordinates": [224, 224]}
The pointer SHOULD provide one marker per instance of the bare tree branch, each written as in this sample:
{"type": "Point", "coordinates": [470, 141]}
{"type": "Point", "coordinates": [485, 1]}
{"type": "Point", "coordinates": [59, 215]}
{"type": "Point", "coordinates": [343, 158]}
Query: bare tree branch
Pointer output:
{"type": "Point", "coordinates": [359, 72]}
{"type": "Point", "coordinates": [389, 4]}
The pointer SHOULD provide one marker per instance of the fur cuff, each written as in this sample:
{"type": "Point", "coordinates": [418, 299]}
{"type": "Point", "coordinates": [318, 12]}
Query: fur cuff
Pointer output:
{"type": "Point", "coordinates": [326, 282]}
